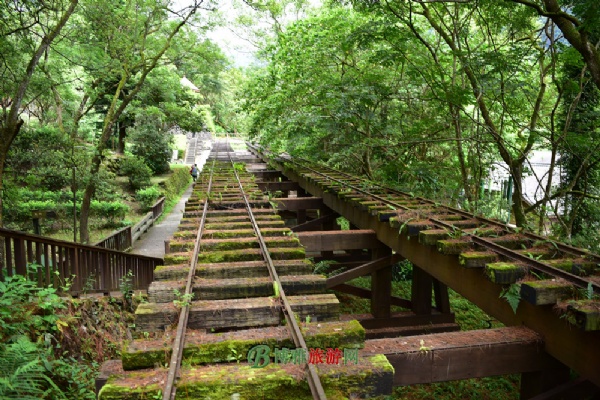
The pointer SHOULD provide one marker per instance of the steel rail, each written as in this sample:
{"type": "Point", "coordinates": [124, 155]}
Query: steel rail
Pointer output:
{"type": "Point", "coordinates": [535, 264]}
{"type": "Point", "coordinates": [565, 248]}
{"type": "Point", "coordinates": [176, 356]}
{"type": "Point", "coordinates": [561, 246]}
{"type": "Point", "coordinates": [314, 382]}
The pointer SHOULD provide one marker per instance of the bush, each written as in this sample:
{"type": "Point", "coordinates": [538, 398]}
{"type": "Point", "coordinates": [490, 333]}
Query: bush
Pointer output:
{"type": "Point", "coordinates": [150, 140]}
{"type": "Point", "coordinates": [177, 182]}
{"type": "Point", "coordinates": [111, 211]}
{"type": "Point", "coordinates": [137, 171]}
{"type": "Point", "coordinates": [147, 197]}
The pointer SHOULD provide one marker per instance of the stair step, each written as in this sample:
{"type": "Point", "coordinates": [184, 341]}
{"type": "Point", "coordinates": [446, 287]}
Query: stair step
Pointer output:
{"type": "Point", "coordinates": [236, 313]}
{"type": "Point", "coordinates": [218, 226]}
{"type": "Point", "coordinates": [233, 233]}
{"type": "Point", "coordinates": [202, 347]}
{"type": "Point", "coordinates": [233, 244]}
{"type": "Point", "coordinates": [243, 269]}
{"type": "Point", "coordinates": [171, 272]}
{"type": "Point", "coordinates": [217, 289]}
{"type": "Point", "coordinates": [371, 376]}
{"type": "Point", "coordinates": [282, 253]}
{"type": "Point", "coordinates": [250, 269]}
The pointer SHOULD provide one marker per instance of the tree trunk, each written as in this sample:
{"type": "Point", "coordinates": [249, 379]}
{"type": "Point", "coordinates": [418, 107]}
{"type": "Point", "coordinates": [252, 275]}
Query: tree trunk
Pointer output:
{"type": "Point", "coordinates": [516, 171]}
{"type": "Point", "coordinates": [122, 134]}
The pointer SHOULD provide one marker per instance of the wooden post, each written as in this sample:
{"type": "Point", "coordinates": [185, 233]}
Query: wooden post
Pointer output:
{"type": "Point", "coordinates": [421, 291]}
{"type": "Point", "coordinates": [442, 300]}
{"type": "Point", "coordinates": [538, 382]}
{"type": "Point", "coordinates": [381, 286]}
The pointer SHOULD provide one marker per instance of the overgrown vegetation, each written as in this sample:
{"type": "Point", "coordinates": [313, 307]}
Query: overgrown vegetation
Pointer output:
{"type": "Point", "coordinates": [51, 346]}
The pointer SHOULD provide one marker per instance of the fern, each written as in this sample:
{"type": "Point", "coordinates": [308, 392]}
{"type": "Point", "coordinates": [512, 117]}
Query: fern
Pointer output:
{"type": "Point", "coordinates": [24, 370]}
{"type": "Point", "coordinates": [512, 295]}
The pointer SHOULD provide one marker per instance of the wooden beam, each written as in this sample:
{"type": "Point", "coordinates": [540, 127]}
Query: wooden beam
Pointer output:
{"type": "Point", "coordinates": [268, 175]}
{"type": "Point", "coordinates": [450, 356]}
{"type": "Point", "coordinates": [575, 389]}
{"type": "Point", "coordinates": [366, 294]}
{"type": "Point", "coordinates": [314, 224]}
{"type": "Point", "coordinates": [339, 240]}
{"type": "Point", "coordinates": [298, 203]}
{"type": "Point", "coordinates": [284, 186]}
{"type": "Point", "coordinates": [381, 286]}
{"type": "Point", "coordinates": [403, 318]}
{"type": "Point", "coordinates": [363, 269]}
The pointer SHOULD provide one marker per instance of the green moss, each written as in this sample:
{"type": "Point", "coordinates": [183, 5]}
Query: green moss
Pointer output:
{"type": "Point", "coordinates": [453, 246]}
{"type": "Point", "coordinates": [347, 334]}
{"type": "Point", "coordinates": [504, 273]}
{"type": "Point", "coordinates": [476, 259]}
{"type": "Point", "coordinates": [431, 237]}
{"type": "Point", "coordinates": [112, 390]}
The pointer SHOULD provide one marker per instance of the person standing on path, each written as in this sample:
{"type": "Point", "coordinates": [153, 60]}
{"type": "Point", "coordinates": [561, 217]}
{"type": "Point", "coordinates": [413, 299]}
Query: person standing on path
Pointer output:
{"type": "Point", "coordinates": [194, 172]}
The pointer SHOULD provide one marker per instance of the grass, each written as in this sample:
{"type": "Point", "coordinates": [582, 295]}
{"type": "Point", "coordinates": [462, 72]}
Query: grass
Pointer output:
{"type": "Point", "coordinates": [469, 317]}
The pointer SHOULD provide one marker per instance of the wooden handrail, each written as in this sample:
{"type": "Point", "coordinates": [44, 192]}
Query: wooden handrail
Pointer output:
{"type": "Point", "coordinates": [90, 268]}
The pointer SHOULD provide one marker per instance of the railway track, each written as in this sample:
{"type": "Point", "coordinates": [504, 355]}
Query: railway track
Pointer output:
{"type": "Point", "coordinates": [236, 309]}
{"type": "Point", "coordinates": [560, 282]}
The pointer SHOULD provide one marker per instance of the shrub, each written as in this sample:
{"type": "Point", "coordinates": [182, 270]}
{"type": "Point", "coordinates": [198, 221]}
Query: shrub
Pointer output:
{"type": "Point", "coordinates": [137, 171]}
{"type": "Point", "coordinates": [177, 182]}
{"type": "Point", "coordinates": [147, 197]}
{"type": "Point", "coordinates": [111, 211]}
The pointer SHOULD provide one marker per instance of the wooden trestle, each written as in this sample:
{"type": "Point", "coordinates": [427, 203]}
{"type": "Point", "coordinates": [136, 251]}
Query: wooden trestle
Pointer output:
{"type": "Point", "coordinates": [296, 205]}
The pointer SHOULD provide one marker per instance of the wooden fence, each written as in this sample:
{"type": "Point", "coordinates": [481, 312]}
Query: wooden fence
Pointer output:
{"type": "Point", "coordinates": [90, 268]}
{"type": "Point", "coordinates": [123, 239]}
{"type": "Point", "coordinates": [120, 240]}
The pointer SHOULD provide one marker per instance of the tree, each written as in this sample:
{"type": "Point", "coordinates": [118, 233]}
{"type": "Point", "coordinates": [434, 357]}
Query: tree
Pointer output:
{"type": "Point", "coordinates": [135, 36]}
{"type": "Point", "coordinates": [22, 23]}
{"type": "Point", "coordinates": [576, 19]}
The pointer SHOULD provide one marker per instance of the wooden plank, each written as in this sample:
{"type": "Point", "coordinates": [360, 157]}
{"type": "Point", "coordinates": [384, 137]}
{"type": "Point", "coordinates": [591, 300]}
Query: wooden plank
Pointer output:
{"type": "Point", "coordinates": [339, 240]}
{"type": "Point", "coordinates": [460, 355]}
{"type": "Point", "coordinates": [363, 269]}
{"type": "Point", "coordinates": [298, 203]}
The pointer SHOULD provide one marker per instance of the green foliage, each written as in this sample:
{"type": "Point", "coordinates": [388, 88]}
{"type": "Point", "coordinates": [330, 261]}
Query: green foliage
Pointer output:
{"type": "Point", "coordinates": [177, 183]}
{"type": "Point", "coordinates": [148, 196]}
{"type": "Point", "coordinates": [150, 140]}
{"type": "Point", "coordinates": [110, 211]}
{"type": "Point", "coordinates": [30, 326]}
{"type": "Point", "coordinates": [40, 157]}
{"type": "Point", "coordinates": [512, 295]}
{"type": "Point", "coordinates": [25, 370]}
{"type": "Point", "coordinates": [402, 271]}
{"type": "Point", "coordinates": [137, 171]}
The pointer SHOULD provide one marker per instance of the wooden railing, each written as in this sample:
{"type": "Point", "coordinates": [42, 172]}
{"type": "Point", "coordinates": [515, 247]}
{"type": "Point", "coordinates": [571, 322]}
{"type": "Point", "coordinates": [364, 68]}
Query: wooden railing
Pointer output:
{"type": "Point", "coordinates": [119, 240]}
{"type": "Point", "coordinates": [88, 268]}
{"type": "Point", "coordinates": [158, 208]}
{"type": "Point", "coordinates": [123, 239]}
